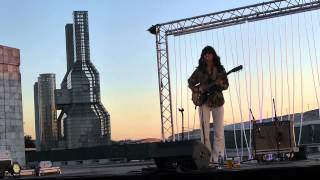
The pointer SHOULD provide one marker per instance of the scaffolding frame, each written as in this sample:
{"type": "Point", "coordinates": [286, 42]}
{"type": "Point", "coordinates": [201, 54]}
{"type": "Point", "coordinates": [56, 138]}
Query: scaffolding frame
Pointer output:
{"type": "Point", "coordinates": [256, 12]}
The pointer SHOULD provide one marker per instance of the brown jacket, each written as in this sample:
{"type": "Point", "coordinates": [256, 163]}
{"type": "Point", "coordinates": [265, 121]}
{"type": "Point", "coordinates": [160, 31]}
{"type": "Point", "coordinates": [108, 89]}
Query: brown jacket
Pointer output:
{"type": "Point", "coordinates": [216, 99]}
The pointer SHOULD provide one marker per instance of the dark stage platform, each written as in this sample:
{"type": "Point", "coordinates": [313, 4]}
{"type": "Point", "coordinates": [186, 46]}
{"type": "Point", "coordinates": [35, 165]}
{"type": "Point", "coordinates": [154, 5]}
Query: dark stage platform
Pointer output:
{"type": "Point", "coordinates": [250, 170]}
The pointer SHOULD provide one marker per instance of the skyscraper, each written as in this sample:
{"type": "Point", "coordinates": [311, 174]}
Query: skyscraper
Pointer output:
{"type": "Point", "coordinates": [45, 112]}
{"type": "Point", "coordinates": [69, 46]}
{"type": "Point", "coordinates": [36, 115]}
{"type": "Point", "coordinates": [85, 121]}
{"type": "Point", "coordinates": [11, 123]}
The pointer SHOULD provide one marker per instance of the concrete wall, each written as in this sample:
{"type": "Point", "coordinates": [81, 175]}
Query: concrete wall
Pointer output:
{"type": "Point", "coordinates": [11, 123]}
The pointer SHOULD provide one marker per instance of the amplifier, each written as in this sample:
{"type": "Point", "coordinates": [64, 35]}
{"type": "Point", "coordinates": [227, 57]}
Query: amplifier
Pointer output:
{"type": "Point", "coordinates": [186, 155]}
{"type": "Point", "coordinates": [273, 137]}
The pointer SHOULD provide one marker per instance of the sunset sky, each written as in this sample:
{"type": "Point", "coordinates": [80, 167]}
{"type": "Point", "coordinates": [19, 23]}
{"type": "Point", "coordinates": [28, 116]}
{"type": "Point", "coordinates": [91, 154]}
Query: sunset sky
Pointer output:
{"type": "Point", "coordinates": [124, 53]}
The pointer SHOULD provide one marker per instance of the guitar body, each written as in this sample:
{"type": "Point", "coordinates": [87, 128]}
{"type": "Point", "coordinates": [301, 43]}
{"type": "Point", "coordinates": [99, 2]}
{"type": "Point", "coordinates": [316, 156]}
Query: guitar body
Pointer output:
{"type": "Point", "coordinates": [198, 98]}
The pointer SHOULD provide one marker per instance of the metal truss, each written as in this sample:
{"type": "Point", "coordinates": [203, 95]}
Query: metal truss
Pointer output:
{"type": "Point", "coordinates": [205, 22]}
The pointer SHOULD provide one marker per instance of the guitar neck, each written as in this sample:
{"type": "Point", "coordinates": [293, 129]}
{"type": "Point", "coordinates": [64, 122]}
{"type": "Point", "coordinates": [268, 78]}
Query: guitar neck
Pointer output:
{"type": "Point", "coordinates": [212, 84]}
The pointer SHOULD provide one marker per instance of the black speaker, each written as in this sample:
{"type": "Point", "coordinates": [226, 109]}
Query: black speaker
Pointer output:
{"type": "Point", "coordinates": [273, 137]}
{"type": "Point", "coordinates": [186, 155]}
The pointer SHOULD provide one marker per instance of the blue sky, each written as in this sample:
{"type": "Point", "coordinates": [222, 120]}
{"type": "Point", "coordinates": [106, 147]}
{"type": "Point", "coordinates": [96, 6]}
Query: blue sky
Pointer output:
{"type": "Point", "coordinates": [121, 49]}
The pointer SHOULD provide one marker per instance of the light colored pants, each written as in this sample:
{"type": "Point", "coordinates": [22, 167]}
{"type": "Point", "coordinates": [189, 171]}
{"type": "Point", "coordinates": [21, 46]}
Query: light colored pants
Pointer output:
{"type": "Point", "coordinates": [217, 116]}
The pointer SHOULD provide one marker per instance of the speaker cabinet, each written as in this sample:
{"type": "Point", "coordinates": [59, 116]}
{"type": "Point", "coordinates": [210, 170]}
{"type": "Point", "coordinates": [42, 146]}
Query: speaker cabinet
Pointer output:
{"type": "Point", "coordinates": [273, 137]}
{"type": "Point", "coordinates": [186, 155]}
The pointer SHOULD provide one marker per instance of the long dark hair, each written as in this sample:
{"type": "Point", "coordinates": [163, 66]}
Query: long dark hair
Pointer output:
{"type": "Point", "coordinates": [202, 63]}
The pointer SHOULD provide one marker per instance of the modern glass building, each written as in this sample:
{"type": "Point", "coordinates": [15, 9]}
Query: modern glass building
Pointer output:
{"type": "Point", "coordinates": [45, 112]}
{"type": "Point", "coordinates": [82, 121]}
{"type": "Point", "coordinates": [86, 122]}
{"type": "Point", "coordinates": [36, 115]}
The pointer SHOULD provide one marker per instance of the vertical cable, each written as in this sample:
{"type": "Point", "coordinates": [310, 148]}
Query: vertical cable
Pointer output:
{"type": "Point", "coordinates": [201, 39]}
{"type": "Point", "coordinates": [181, 99]}
{"type": "Point", "coordinates": [207, 37]}
{"type": "Point", "coordinates": [218, 43]}
{"type": "Point", "coordinates": [310, 58]}
{"type": "Point", "coordinates": [197, 49]}
{"type": "Point", "coordinates": [191, 52]}
{"type": "Point", "coordinates": [262, 88]}
{"type": "Point", "coordinates": [176, 83]}
{"type": "Point", "coordinates": [281, 66]}
{"type": "Point", "coordinates": [186, 60]}
{"type": "Point", "coordinates": [181, 83]}
{"type": "Point", "coordinates": [316, 57]}
{"type": "Point", "coordinates": [257, 68]}
{"type": "Point", "coordinates": [293, 80]}
{"type": "Point", "coordinates": [246, 84]}
{"type": "Point", "coordinates": [238, 90]}
{"type": "Point", "coordinates": [212, 37]}
{"type": "Point", "coordinates": [250, 94]}
{"type": "Point", "coordinates": [287, 67]}
{"type": "Point", "coordinates": [233, 117]}
{"type": "Point", "coordinates": [219, 50]}
{"type": "Point", "coordinates": [274, 70]}
{"type": "Point", "coordinates": [235, 82]}
{"type": "Point", "coordinates": [301, 75]}
{"type": "Point", "coordinates": [270, 75]}
{"type": "Point", "coordinates": [193, 66]}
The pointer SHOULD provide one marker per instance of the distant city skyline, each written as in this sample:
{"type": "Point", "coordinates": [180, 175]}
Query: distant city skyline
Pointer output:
{"type": "Point", "coordinates": [121, 49]}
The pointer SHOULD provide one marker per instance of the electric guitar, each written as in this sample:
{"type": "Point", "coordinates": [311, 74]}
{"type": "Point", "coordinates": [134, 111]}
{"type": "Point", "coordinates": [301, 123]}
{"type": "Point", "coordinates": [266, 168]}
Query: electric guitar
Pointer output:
{"type": "Point", "coordinates": [199, 98]}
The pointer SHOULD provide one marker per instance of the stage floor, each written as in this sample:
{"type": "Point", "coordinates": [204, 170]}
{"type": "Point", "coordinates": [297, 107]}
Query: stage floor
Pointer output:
{"type": "Point", "coordinates": [248, 170]}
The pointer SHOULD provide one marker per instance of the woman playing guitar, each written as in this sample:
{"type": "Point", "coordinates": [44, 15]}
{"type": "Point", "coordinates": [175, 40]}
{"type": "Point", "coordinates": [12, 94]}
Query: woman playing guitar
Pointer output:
{"type": "Point", "coordinates": [207, 83]}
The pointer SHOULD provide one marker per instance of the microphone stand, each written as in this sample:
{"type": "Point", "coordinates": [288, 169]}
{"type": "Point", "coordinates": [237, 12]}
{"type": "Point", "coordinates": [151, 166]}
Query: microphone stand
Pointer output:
{"type": "Point", "coordinates": [181, 110]}
{"type": "Point", "coordinates": [254, 123]}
